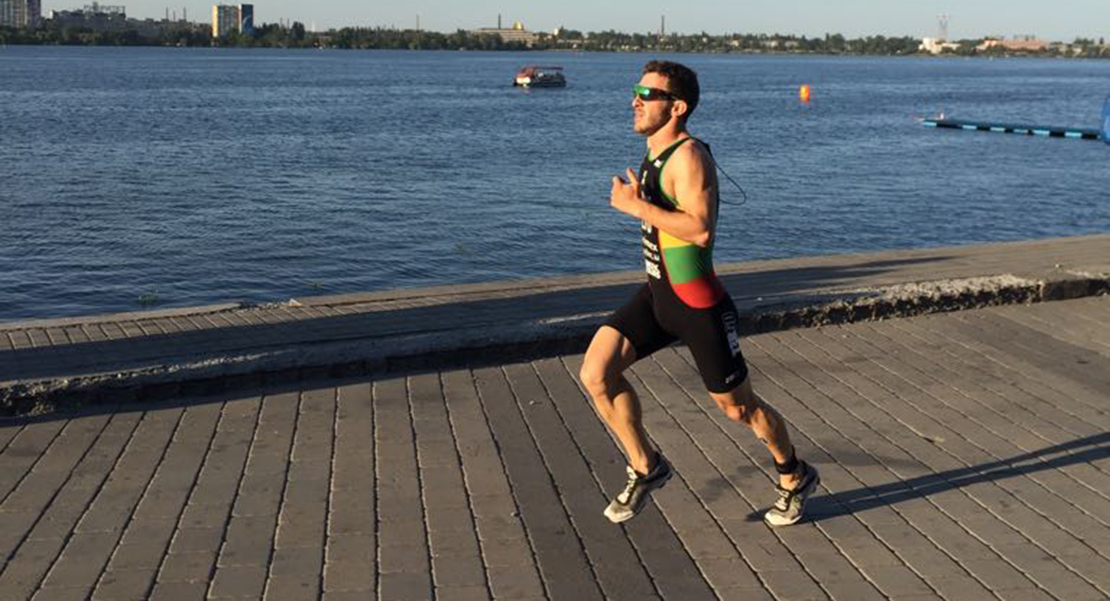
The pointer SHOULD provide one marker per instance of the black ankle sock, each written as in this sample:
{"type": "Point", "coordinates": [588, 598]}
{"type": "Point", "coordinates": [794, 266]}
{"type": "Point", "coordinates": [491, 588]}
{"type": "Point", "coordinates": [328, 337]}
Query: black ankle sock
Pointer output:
{"type": "Point", "coordinates": [790, 466]}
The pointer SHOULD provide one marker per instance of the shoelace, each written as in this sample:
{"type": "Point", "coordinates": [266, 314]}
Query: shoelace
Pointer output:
{"type": "Point", "coordinates": [783, 503]}
{"type": "Point", "coordinates": [785, 496]}
{"type": "Point", "coordinates": [633, 478]}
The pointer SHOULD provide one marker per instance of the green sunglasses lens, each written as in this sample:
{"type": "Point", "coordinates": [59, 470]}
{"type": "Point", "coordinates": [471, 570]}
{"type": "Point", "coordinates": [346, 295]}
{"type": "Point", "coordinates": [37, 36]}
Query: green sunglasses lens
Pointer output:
{"type": "Point", "coordinates": [645, 93]}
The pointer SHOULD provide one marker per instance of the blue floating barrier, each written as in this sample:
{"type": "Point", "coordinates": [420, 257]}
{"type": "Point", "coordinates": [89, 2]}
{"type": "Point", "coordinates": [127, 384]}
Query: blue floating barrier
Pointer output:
{"type": "Point", "coordinates": [1029, 130]}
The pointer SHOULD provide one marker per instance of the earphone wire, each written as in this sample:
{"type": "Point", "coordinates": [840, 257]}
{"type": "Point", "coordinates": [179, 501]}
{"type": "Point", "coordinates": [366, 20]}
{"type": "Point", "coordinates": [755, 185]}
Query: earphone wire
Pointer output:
{"type": "Point", "coordinates": [743, 193]}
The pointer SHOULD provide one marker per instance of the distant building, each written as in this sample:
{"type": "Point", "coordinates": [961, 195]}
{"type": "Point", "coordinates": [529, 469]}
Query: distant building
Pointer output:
{"type": "Point", "coordinates": [97, 17]}
{"type": "Point", "coordinates": [517, 34]}
{"type": "Point", "coordinates": [936, 45]}
{"type": "Point", "coordinates": [780, 44]}
{"type": "Point", "coordinates": [246, 18]}
{"type": "Point", "coordinates": [20, 13]}
{"type": "Point", "coordinates": [1021, 43]}
{"type": "Point", "coordinates": [227, 18]}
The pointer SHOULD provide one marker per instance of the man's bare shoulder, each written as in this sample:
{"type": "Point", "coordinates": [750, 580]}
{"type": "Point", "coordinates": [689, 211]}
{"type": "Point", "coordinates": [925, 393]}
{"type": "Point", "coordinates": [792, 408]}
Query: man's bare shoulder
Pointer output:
{"type": "Point", "coordinates": [693, 156]}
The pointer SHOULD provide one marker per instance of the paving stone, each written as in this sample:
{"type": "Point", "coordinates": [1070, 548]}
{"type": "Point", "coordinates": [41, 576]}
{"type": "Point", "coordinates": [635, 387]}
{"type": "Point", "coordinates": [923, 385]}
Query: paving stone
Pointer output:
{"type": "Point", "coordinates": [285, 586]}
{"type": "Point", "coordinates": [350, 596]}
{"type": "Point", "coordinates": [248, 541]}
{"type": "Point", "coordinates": [514, 583]}
{"type": "Point", "coordinates": [238, 581]}
{"type": "Point", "coordinates": [137, 556]}
{"type": "Point", "coordinates": [507, 552]}
{"type": "Point", "coordinates": [348, 575]}
{"type": "Point", "coordinates": [179, 591]}
{"type": "Point", "coordinates": [455, 546]}
{"type": "Point", "coordinates": [399, 586]}
{"type": "Point", "coordinates": [187, 567]}
{"type": "Point", "coordinates": [458, 571]}
{"type": "Point", "coordinates": [148, 532]}
{"type": "Point", "coordinates": [203, 517]}
{"type": "Point", "coordinates": [897, 581]}
{"type": "Point", "coordinates": [15, 526]}
{"type": "Point", "coordinates": [830, 567]}
{"type": "Point", "coordinates": [23, 572]}
{"type": "Point", "coordinates": [1026, 594]}
{"type": "Point", "coordinates": [728, 573]}
{"type": "Point", "coordinates": [403, 558]}
{"type": "Point", "coordinates": [621, 575]}
{"type": "Point", "coordinates": [300, 563]}
{"type": "Point", "coordinates": [191, 540]}
{"type": "Point", "coordinates": [125, 584]}
{"type": "Point", "coordinates": [744, 594]}
{"type": "Point", "coordinates": [350, 547]}
{"type": "Point", "coordinates": [791, 584]}
{"type": "Point", "coordinates": [82, 560]}
{"type": "Point", "coordinates": [62, 593]}
{"type": "Point", "coordinates": [463, 593]}
{"type": "Point", "coordinates": [961, 588]}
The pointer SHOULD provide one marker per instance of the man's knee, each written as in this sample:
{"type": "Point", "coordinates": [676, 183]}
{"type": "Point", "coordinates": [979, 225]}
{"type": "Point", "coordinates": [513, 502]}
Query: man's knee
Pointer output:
{"type": "Point", "coordinates": [607, 357]}
{"type": "Point", "coordinates": [740, 414]}
{"type": "Point", "coordinates": [739, 408]}
{"type": "Point", "coordinates": [595, 377]}
{"type": "Point", "coordinates": [591, 377]}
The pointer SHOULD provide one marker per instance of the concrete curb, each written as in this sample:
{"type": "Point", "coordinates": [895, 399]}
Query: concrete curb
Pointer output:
{"type": "Point", "coordinates": [284, 365]}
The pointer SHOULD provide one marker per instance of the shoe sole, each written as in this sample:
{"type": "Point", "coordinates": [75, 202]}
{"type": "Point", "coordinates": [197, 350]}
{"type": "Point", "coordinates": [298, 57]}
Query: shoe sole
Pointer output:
{"type": "Point", "coordinates": [812, 486]}
{"type": "Point", "coordinates": [635, 513]}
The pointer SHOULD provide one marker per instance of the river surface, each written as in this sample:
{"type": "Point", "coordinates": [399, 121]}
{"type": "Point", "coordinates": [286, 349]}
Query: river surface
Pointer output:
{"type": "Point", "coordinates": [155, 177]}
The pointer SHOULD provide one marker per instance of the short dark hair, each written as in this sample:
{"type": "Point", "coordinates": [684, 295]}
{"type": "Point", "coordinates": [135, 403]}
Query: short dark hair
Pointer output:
{"type": "Point", "coordinates": [681, 80]}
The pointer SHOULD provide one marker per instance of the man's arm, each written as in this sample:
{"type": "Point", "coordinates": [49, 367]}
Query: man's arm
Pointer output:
{"type": "Point", "coordinates": [691, 180]}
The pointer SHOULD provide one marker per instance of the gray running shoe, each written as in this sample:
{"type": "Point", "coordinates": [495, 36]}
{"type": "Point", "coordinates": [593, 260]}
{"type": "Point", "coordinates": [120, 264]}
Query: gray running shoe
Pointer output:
{"type": "Point", "coordinates": [635, 494]}
{"type": "Point", "coordinates": [791, 503]}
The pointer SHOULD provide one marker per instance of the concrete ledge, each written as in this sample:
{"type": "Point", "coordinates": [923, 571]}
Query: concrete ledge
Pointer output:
{"type": "Point", "coordinates": [518, 341]}
{"type": "Point", "coordinates": [60, 322]}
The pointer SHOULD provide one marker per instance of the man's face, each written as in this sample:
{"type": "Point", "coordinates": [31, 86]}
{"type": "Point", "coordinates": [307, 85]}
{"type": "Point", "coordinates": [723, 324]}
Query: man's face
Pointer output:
{"type": "Point", "coordinates": [650, 115]}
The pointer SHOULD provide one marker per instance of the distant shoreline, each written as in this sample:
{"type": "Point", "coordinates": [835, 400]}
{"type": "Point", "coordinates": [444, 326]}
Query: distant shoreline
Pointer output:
{"type": "Point", "coordinates": [946, 56]}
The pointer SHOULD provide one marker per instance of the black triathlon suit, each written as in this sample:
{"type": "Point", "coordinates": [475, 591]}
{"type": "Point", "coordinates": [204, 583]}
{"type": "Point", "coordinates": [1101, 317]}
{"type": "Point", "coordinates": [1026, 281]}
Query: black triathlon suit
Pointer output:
{"type": "Point", "coordinates": [682, 299]}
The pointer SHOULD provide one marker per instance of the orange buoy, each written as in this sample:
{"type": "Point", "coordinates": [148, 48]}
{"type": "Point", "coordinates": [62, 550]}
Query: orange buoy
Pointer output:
{"type": "Point", "coordinates": [803, 93]}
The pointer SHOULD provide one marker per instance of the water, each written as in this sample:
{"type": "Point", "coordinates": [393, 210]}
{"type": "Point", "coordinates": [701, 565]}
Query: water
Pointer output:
{"type": "Point", "coordinates": [188, 176]}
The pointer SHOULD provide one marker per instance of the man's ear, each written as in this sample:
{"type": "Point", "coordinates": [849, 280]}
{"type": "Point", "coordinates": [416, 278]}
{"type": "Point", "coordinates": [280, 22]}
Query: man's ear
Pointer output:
{"type": "Point", "coordinates": [679, 108]}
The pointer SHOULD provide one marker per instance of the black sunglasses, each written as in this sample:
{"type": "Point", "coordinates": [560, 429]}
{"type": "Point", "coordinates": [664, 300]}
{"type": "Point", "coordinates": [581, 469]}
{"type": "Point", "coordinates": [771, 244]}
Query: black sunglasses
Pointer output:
{"type": "Point", "coordinates": [647, 94]}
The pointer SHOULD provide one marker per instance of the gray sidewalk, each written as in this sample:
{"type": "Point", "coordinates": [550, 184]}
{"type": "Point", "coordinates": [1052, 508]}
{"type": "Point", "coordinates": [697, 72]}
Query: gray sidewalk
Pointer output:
{"type": "Point", "coordinates": [78, 361]}
{"type": "Point", "coordinates": [963, 456]}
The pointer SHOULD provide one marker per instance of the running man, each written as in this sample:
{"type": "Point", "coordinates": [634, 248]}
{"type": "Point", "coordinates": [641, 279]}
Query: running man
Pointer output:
{"type": "Point", "coordinates": [675, 197]}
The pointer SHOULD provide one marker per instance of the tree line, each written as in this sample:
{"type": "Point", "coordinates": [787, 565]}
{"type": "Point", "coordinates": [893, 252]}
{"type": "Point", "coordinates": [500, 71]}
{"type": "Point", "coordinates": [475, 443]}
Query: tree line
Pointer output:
{"type": "Point", "coordinates": [269, 35]}
{"type": "Point", "coordinates": [296, 36]}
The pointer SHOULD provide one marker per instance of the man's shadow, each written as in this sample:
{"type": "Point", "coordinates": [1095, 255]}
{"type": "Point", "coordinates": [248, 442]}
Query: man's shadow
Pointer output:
{"type": "Point", "coordinates": [1091, 448]}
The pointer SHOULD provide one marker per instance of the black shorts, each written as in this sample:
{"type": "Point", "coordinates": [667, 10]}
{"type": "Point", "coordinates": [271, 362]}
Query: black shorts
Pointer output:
{"type": "Point", "coordinates": [651, 322]}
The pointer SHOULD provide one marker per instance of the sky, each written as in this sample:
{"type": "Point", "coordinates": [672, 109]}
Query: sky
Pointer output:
{"type": "Point", "coordinates": [1054, 20]}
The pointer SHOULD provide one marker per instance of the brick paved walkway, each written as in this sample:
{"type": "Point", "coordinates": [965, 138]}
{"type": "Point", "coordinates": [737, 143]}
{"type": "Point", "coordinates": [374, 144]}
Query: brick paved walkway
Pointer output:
{"type": "Point", "coordinates": [964, 456]}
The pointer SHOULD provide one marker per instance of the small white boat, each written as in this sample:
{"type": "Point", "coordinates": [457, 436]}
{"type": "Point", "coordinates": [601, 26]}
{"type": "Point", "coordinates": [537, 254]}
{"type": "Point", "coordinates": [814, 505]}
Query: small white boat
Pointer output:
{"type": "Point", "coordinates": [535, 76]}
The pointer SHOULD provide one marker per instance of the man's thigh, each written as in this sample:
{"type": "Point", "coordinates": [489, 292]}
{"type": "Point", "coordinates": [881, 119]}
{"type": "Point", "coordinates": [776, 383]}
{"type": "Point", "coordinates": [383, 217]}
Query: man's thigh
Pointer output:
{"type": "Point", "coordinates": [610, 351]}
{"type": "Point", "coordinates": [714, 341]}
{"type": "Point", "coordinates": [636, 322]}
